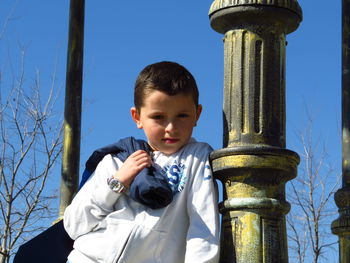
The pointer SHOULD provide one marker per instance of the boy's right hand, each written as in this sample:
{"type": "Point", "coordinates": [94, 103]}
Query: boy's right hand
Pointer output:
{"type": "Point", "coordinates": [132, 166]}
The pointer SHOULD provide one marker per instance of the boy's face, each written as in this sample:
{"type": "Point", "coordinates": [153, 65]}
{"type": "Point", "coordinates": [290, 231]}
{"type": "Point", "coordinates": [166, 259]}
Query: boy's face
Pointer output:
{"type": "Point", "coordinates": [167, 121]}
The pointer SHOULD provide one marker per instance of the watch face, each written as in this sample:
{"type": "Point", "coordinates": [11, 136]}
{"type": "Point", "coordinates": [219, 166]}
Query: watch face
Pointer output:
{"type": "Point", "coordinates": [115, 185]}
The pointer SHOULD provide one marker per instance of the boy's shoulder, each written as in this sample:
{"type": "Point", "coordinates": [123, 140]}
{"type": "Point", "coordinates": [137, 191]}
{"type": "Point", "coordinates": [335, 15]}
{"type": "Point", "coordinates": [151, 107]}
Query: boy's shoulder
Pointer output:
{"type": "Point", "coordinates": [193, 146]}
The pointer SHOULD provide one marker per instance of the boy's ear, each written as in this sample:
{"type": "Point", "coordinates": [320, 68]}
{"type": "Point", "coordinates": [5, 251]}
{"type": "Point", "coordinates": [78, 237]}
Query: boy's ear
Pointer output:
{"type": "Point", "coordinates": [198, 113]}
{"type": "Point", "coordinates": [136, 117]}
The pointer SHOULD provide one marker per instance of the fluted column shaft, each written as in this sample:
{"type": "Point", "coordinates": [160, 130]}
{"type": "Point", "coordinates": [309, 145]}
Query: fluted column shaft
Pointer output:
{"type": "Point", "coordinates": [254, 104]}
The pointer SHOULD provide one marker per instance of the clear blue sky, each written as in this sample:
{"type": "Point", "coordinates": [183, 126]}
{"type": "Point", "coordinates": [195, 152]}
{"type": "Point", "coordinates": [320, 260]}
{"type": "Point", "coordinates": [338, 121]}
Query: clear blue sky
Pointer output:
{"type": "Point", "coordinates": [121, 37]}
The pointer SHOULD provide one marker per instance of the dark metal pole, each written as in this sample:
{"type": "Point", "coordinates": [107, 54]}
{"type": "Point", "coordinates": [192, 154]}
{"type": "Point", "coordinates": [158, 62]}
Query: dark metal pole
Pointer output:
{"type": "Point", "coordinates": [72, 110]}
{"type": "Point", "coordinates": [346, 92]}
{"type": "Point", "coordinates": [341, 226]}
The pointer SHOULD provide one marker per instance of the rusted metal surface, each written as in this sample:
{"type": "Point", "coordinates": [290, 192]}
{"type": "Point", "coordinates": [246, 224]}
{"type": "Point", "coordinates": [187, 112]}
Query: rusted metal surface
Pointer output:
{"type": "Point", "coordinates": [72, 111]}
{"type": "Point", "coordinates": [341, 226]}
{"type": "Point", "coordinates": [254, 165]}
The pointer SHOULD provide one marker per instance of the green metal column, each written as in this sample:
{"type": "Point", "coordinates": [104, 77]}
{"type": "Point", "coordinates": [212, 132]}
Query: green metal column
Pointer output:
{"type": "Point", "coordinates": [72, 110]}
{"type": "Point", "coordinates": [254, 166]}
{"type": "Point", "coordinates": [341, 226]}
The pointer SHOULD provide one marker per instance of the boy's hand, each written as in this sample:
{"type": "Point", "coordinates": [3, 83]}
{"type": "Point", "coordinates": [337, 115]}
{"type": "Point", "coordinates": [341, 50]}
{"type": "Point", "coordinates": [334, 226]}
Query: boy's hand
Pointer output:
{"type": "Point", "coordinates": [132, 166]}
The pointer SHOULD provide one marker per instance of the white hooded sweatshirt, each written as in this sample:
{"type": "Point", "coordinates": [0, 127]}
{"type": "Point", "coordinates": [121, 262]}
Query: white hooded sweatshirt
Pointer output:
{"type": "Point", "coordinates": [109, 227]}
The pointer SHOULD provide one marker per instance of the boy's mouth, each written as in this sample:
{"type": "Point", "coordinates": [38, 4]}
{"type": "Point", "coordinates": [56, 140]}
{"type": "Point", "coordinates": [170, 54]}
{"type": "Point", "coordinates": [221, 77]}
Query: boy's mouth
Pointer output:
{"type": "Point", "coordinates": [170, 140]}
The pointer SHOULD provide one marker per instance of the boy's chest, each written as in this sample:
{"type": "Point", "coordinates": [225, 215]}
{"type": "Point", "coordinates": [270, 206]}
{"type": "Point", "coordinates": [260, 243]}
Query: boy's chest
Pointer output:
{"type": "Point", "coordinates": [175, 170]}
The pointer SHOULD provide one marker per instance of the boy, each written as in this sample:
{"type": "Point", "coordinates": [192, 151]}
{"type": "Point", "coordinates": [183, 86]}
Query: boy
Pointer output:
{"type": "Point", "coordinates": [109, 226]}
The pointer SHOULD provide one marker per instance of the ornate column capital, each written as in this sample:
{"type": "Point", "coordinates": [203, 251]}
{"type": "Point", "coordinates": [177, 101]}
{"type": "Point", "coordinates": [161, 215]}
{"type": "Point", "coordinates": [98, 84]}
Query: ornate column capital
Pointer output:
{"type": "Point", "coordinates": [232, 14]}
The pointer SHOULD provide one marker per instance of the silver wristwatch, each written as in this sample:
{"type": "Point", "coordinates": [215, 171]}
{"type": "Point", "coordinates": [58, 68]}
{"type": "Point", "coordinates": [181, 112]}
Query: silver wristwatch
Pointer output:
{"type": "Point", "coordinates": [115, 185]}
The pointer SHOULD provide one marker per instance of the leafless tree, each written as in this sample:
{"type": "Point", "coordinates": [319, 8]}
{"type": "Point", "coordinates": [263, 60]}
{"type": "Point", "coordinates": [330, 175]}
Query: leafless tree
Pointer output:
{"type": "Point", "coordinates": [30, 144]}
{"type": "Point", "coordinates": [313, 209]}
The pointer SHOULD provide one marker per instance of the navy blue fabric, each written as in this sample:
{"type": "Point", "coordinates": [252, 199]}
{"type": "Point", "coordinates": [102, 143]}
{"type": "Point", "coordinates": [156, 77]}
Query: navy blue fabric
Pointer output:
{"type": "Point", "coordinates": [150, 187]}
{"type": "Point", "coordinates": [51, 246]}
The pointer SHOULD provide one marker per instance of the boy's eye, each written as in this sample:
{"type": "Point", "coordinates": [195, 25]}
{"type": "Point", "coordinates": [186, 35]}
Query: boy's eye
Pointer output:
{"type": "Point", "coordinates": [157, 117]}
{"type": "Point", "coordinates": [183, 115]}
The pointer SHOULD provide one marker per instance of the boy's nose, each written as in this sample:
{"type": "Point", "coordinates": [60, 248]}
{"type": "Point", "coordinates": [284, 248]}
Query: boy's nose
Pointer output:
{"type": "Point", "coordinates": [170, 127]}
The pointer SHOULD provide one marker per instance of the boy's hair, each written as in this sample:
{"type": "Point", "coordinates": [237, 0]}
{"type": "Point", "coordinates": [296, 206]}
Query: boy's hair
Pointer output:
{"type": "Point", "coordinates": [168, 77]}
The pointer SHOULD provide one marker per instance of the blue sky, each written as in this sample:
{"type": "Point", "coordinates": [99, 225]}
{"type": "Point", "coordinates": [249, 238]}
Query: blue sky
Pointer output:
{"type": "Point", "coordinates": [121, 37]}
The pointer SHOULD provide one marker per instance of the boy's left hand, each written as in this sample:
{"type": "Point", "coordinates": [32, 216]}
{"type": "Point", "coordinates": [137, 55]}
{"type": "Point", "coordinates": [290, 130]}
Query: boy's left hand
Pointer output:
{"type": "Point", "coordinates": [132, 166]}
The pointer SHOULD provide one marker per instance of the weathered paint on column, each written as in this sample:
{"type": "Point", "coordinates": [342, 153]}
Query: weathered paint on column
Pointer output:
{"type": "Point", "coordinates": [254, 166]}
{"type": "Point", "coordinates": [72, 110]}
{"type": "Point", "coordinates": [341, 226]}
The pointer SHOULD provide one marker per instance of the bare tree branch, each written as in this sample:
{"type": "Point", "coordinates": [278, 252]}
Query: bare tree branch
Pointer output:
{"type": "Point", "coordinates": [309, 221]}
{"type": "Point", "coordinates": [31, 143]}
